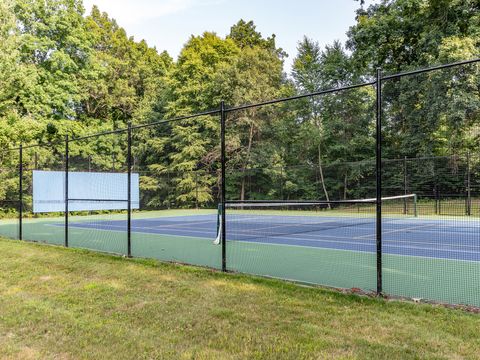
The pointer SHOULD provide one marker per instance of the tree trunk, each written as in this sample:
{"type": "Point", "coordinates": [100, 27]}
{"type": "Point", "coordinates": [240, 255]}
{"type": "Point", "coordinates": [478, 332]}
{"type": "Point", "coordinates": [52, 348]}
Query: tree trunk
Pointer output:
{"type": "Point", "coordinates": [345, 186]}
{"type": "Point", "coordinates": [320, 169]}
{"type": "Point", "coordinates": [242, 186]}
{"type": "Point", "coordinates": [245, 163]}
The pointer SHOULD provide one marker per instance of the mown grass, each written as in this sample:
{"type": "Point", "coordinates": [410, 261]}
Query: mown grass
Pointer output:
{"type": "Point", "coordinates": [70, 304]}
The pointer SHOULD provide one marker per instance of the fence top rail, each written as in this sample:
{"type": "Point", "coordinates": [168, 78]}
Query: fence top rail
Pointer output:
{"type": "Point", "coordinates": [429, 69]}
{"type": "Point", "coordinates": [179, 118]}
{"type": "Point", "coordinates": [30, 146]}
{"type": "Point", "coordinates": [270, 102]}
{"type": "Point", "coordinates": [301, 96]}
{"type": "Point", "coordinates": [110, 132]}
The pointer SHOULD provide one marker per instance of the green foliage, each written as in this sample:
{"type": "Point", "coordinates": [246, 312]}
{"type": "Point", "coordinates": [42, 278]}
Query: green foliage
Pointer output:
{"type": "Point", "coordinates": [428, 114]}
{"type": "Point", "coordinates": [54, 40]}
{"type": "Point", "coordinates": [63, 72]}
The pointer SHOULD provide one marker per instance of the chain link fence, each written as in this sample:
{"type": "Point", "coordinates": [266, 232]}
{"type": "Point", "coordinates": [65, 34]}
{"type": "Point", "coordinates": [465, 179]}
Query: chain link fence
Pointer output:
{"type": "Point", "coordinates": [382, 216]}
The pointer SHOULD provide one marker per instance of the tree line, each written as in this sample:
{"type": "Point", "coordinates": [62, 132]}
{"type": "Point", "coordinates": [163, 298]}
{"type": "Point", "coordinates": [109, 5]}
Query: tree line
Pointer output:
{"type": "Point", "coordinates": [66, 71]}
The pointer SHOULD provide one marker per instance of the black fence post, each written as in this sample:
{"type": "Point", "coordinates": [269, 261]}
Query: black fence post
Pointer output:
{"type": "Point", "coordinates": [405, 185]}
{"type": "Point", "coordinates": [436, 191]}
{"type": "Point", "coordinates": [66, 190]}
{"type": "Point", "coordinates": [168, 191]}
{"type": "Point", "coordinates": [20, 193]}
{"type": "Point", "coordinates": [223, 195]}
{"type": "Point", "coordinates": [196, 190]}
{"type": "Point", "coordinates": [378, 168]}
{"type": "Point", "coordinates": [281, 183]}
{"type": "Point", "coordinates": [129, 191]}
{"type": "Point", "coordinates": [469, 187]}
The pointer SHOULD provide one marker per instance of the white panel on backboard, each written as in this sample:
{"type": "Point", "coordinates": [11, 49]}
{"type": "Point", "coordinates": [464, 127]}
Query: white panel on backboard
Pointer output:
{"type": "Point", "coordinates": [86, 191]}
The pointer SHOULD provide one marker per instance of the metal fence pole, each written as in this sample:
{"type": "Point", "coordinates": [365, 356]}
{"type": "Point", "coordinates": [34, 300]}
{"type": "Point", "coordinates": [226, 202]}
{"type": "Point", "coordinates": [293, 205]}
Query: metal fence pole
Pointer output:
{"type": "Point", "coordinates": [469, 187]}
{"type": "Point", "coordinates": [281, 183]}
{"type": "Point", "coordinates": [129, 191]}
{"type": "Point", "coordinates": [196, 190]}
{"type": "Point", "coordinates": [20, 193]}
{"type": "Point", "coordinates": [66, 190]}
{"type": "Point", "coordinates": [223, 195]}
{"type": "Point", "coordinates": [435, 189]}
{"type": "Point", "coordinates": [405, 185]}
{"type": "Point", "coordinates": [378, 168]}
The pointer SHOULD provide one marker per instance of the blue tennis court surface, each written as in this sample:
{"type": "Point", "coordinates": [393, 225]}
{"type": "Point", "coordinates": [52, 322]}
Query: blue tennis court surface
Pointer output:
{"type": "Point", "coordinates": [445, 239]}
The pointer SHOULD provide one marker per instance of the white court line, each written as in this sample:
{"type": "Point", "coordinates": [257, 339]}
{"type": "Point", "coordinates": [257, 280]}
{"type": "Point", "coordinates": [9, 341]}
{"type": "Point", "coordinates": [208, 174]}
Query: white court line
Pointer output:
{"type": "Point", "coordinates": [316, 238]}
{"type": "Point", "coordinates": [174, 217]}
{"type": "Point", "coordinates": [371, 234]}
{"type": "Point", "coordinates": [321, 238]}
{"type": "Point", "coordinates": [363, 245]}
{"type": "Point", "coordinates": [394, 222]}
{"type": "Point", "coordinates": [440, 231]}
{"type": "Point", "coordinates": [412, 229]}
{"type": "Point", "coordinates": [180, 224]}
{"type": "Point", "coordinates": [399, 230]}
{"type": "Point", "coordinates": [356, 251]}
{"type": "Point", "coordinates": [106, 227]}
{"type": "Point", "coordinates": [386, 221]}
{"type": "Point", "coordinates": [356, 243]}
{"type": "Point", "coordinates": [324, 223]}
{"type": "Point", "coordinates": [329, 241]}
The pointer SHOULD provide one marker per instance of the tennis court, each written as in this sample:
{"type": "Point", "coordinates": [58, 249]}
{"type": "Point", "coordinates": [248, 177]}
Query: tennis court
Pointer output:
{"type": "Point", "coordinates": [448, 239]}
{"type": "Point", "coordinates": [423, 257]}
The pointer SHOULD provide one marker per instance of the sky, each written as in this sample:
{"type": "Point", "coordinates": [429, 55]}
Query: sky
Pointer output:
{"type": "Point", "coordinates": [168, 24]}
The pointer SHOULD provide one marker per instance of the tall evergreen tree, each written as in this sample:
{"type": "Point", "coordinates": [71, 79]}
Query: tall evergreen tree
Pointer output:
{"type": "Point", "coordinates": [335, 126]}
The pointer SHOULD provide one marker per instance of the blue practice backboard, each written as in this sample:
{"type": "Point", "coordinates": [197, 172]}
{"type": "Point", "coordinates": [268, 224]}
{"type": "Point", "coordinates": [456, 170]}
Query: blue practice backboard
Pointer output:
{"type": "Point", "coordinates": [86, 191]}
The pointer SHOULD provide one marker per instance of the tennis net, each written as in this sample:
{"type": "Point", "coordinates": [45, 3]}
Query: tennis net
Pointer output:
{"type": "Point", "coordinates": [270, 220]}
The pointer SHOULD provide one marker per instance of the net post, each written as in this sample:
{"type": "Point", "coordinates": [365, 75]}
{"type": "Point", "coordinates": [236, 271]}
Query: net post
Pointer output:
{"type": "Point", "coordinates": [219, 215]}
{"type": "Point", "coordinates": [415, 202]}
{"type": "Point", "coordinates": [469, 191]}
{"type": "Point", "coordinates": [378, 168]}
{"type": "Point", "coordinates": [66, 189]}
{"type": "Point", "coordinates": [129, 190]}
{"type": "Point", "coordinates": [20, 192]}
{"type": "Point", "coordinates": [223, 193]}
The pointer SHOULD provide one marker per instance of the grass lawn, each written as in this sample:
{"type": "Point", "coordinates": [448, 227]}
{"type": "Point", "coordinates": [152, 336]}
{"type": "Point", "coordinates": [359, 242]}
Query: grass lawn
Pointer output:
{"type": "Point", "coordinates": [69, 304]}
